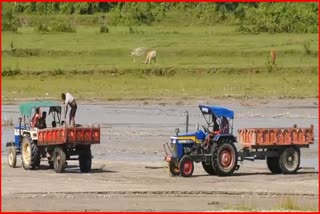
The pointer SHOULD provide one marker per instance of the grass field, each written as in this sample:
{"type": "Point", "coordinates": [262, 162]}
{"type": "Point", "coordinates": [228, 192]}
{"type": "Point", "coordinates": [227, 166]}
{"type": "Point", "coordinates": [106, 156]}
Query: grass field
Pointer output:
{"type": "Point", "coordinates": [192, 61]}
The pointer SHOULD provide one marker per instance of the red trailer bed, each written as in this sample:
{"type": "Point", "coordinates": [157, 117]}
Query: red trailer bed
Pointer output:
{"type": "Point", "coordinates": [265, 137]}
{"type": "Point", "coordinates": [69, 135]}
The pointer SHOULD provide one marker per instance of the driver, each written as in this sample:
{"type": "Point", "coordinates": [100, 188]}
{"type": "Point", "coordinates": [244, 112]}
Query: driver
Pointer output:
{"type": "Point", "coordinates": [216, 130]}
{"type": "Point", "coordinates": [42, 121]}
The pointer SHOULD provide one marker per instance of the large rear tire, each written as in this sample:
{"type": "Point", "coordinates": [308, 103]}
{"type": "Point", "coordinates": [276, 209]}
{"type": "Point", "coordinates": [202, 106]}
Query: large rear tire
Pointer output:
{"type": "Point", "coordinates": [59, 160]}
{"type": "Point", "coordinates": [273, 165]}
{"type": "Point", "coordinates": [186, 166]}
{"type": "Point", "coordinates": [290, 160]}
{"type": "Point", "coordinates": [12, 156]}
{"type": "Point", "coordinates": [30, 154]}
{"type": "Point", "coordinates": [224, 158]}
{"type": "Point", "coordinates": [85, 160]}
{"type": "Point", "coordinates": [207, 166]}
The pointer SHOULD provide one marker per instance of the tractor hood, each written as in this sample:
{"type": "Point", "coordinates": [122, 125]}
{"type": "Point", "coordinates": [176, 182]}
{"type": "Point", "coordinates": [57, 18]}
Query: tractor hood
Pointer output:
{"type": "Point", "coordinates": [196, 137]}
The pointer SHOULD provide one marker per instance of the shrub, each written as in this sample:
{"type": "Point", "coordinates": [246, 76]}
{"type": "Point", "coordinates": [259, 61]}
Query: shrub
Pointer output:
{"type": "Point", "coordinates": [9, 21]}
{"type": "Point", "coordinates": [42, 28]}
{"type": "Point", "coordinates": [8, 72]}
{"type": "Point", "coordinates": [306, 46]}
{"type": "Point", "coordinates": [104, 29]}
{"type": "Point", "coordinates": [62, 26]}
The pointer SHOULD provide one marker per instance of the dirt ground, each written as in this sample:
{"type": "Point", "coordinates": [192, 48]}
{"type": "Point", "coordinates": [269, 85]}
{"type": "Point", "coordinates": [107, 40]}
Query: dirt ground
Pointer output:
{"type": "Point", "coordinates": [129, 173]}
{"type": "Point", "coordinates": [143, 186]}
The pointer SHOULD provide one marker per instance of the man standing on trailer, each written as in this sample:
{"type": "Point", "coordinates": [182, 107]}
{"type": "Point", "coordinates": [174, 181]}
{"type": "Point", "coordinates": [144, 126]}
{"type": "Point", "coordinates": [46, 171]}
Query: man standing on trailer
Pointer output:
{"type": "Point", "coordinates": [69, 100]}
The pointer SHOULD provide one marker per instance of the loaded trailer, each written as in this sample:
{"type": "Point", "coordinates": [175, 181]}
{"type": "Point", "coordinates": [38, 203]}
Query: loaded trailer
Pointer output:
{"type": "Point", "coordinates": [216, 149]}
{"type": "Point", "coordinates": [280, 147]}
{"type": "Point", "coordinates": [55, 144]}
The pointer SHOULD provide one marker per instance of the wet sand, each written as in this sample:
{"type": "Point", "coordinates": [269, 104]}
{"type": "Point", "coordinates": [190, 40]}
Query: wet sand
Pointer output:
{"type": "Point", "coordinates": [129, 173]}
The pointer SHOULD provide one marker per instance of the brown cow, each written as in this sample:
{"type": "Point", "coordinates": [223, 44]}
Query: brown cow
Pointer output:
{"type": "Point", "coordinates": [151, 55]}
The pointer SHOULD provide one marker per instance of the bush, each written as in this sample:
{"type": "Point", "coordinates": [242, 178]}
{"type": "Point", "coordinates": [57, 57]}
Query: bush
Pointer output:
{"type": "Point", "coordinates": [104, 29]}
{"type": "Point", "coordinates": [9, 20]}
{"type": "Point", "coordinates": [62, 26]}
{"type": "Point", "coordinates": [307, 49]}
{"type": "Point", "coordinates": [8, 72]}
{"type": "Point", "coordinates": [57, 72]}
{"type": "Point", "coordinates": [167, 72]}
{"type": "Point", "coordinates": [42, 28]}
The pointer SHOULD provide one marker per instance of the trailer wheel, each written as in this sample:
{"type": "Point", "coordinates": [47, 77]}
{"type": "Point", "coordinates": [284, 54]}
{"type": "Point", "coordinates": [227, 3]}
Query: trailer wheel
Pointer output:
{"type": "Point", "coordinates": [224, 158]}
{"type": "Point", "coordinates": [12, 156]}
{"type": "Point", "coordinates": [207, 166]}
{"type": "Point", "coordinates": [274, 165]}
{"type": "Point", "coordinates": [59, 160]}
{"type": "Point", "coordinates": [30, 154]}
{"type": "Point", "coordinates": [186, 166]}
{"type": "Point", "coordinates": [174, 168]}
{"type": "Point", "coordinates": [290, 160]}
{"type": "Point", "coordinates": [85, 160]}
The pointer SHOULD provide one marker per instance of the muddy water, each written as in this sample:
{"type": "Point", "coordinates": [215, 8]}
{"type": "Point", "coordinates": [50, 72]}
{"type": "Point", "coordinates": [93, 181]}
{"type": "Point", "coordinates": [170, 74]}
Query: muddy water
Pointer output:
{"type": "Point", "coordinates": [136, 132]}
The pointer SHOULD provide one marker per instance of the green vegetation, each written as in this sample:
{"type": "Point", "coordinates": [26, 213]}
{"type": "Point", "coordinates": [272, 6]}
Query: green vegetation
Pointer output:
{"type": "Point", "coordinates": [290, 204]}
{"type": "Point", "coordinates": [89, 55]}
{"type": "Point", "coordinates": [250, 17]}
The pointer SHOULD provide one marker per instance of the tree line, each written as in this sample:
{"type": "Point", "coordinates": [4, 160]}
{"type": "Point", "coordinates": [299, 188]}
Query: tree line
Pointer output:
{"type": "Point", "coordinates": [248, 17]}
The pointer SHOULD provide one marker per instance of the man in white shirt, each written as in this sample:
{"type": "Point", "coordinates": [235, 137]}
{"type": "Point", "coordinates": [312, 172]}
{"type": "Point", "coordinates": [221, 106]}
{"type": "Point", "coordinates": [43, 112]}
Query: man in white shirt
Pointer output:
{"type": "Point", "coordinates": [69, 101]}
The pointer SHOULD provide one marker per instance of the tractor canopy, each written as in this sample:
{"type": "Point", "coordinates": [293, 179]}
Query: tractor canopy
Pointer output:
{"type": "Point", "coordinates": [217, 111]}
{"type": "Point", "coordinates": [27, 107]}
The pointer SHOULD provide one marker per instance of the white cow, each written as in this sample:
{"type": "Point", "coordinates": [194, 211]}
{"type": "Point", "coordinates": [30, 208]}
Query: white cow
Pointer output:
{"type": "Point", "coordinates": [138, 52]}
{"type": "Point", "coordinates": [151, 55]}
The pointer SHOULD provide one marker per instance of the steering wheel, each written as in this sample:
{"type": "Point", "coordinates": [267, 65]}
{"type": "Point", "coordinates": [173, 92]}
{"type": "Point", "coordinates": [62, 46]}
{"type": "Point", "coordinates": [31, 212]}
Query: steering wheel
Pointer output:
{"type": "Point", "coordinates": [206, 129]}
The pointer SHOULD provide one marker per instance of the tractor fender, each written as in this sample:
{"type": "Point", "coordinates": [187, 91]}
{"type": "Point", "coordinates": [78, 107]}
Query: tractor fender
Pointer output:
{"type": "Point", "coordinates": [10, 144]}
{"type": "Point", "coordinates": [225, 136]}
{"type": "Point", "coordinates": [32, 134]}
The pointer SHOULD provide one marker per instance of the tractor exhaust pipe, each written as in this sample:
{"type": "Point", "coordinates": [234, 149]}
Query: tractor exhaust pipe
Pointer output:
{"type": "Point", "coordinates": [187, 121]}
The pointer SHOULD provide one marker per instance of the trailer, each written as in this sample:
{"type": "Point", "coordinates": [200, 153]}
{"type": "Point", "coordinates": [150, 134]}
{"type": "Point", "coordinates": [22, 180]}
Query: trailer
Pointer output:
{"type": "Point", "coordinates": [217, 152]}
{"type": "Point", "coordinates": [280, 147]}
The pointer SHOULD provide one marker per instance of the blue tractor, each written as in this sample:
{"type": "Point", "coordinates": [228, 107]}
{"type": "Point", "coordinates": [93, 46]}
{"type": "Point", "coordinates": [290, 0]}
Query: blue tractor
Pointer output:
{"type": "Point", "coordinates": [213, 146]}
{"type": "Point", "coordinates": [23, 131]}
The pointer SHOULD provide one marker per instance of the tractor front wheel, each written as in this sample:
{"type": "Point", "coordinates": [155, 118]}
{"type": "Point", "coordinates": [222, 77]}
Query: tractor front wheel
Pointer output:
{"type": "Point", "coordinates": [186, 166]}
{"type": "Point", "coordinates": [30, 154]}
{"type": "Point", "coordinates": [224, 158]}
{"type": "Point", "coordinates": [12, 156]}
{"type": "Point", "coordinates": [174, 168]}
{"type": "Point", "coordinates": [59, 160]}
{"type": "Point", "coordinates": [85, 160]}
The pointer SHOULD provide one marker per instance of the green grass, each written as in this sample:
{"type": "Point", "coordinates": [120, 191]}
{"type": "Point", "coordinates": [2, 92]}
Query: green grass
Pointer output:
{"type": "Point", "coordinates": [196, 61]}
{"type": "Point", "coordinates": [290, 204]}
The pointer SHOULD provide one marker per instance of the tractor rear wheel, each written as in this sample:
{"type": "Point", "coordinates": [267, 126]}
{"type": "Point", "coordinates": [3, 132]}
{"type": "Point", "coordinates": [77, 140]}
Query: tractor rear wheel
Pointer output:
{"type": "Point", "coordinates": [273, 165]}
{"type": "Point", "coordinates": [30, 154]}
{"type": "Point", "coordinates": [59, 160]}
{"type": "Point", "coordinates": [207, 166]}
{"type": "Point", "coordinates": [174, 168]}
{"type": "Point", "coordinates": [186, 166]}
{"type": "Point", "coordinates": [85, 160]}
{"type": "Point", "coordinates": [12, 156]}
{"type": "Point", "coordinates": [290, 160]}
{"type": "Point", "coordinates": [224, 158]}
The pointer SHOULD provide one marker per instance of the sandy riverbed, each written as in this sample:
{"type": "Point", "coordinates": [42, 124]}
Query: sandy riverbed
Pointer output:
{"type": "Point", "coordinates": [129, 173]}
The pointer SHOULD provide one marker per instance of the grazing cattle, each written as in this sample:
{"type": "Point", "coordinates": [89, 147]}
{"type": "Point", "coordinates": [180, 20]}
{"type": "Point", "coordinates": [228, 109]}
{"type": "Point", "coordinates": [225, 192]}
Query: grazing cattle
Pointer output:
{"type": "Point", "coordinates": [273, 56]}
{"type": "Point", "coordinates": [138, 52]}
{"type": "Point", "coordinates": [151, 55]}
